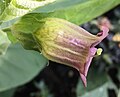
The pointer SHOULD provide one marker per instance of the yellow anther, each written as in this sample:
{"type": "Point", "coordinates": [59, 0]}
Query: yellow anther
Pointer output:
{"type": "Point", "coordinates": [99, 51]}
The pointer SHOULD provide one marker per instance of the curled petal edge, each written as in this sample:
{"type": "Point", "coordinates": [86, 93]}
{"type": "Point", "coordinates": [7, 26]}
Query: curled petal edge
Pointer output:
{"type": "Point", "coordinates": [87, 65]}
{"type": "Point", "coordinates": [101, 35]}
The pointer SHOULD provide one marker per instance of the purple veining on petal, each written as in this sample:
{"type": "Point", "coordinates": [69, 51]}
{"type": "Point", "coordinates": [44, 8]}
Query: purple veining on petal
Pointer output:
{"type": "Point", "coordinates": [68, 57]}
{"type": "Point", "coordinates": [78, 42]}
{"type": "Point", "coordinates": [69, 44]}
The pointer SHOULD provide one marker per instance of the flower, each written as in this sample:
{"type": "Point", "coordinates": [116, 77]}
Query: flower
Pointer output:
{"type": "Point", "coordinates": [69, 44]}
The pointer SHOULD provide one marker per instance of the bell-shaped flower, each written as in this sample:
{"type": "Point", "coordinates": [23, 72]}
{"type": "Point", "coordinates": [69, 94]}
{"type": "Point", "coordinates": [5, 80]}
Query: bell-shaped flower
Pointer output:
{"type": "Point", "coordinates": [69, 44]}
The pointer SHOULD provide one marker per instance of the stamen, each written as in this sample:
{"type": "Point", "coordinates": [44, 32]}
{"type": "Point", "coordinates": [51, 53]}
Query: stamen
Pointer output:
{"type": "Point", "coordinates": [98, 52]}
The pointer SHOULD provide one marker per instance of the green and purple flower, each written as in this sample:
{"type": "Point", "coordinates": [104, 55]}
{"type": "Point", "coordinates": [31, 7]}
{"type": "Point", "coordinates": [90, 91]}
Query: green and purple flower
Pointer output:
{"type": "Point", "coordinates": [69, 44]}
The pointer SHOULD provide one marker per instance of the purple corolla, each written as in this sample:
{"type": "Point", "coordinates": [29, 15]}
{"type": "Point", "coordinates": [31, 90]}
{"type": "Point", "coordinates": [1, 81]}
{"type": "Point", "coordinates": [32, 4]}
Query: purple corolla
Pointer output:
{"type": "Point", "coordinates": [69, 44]}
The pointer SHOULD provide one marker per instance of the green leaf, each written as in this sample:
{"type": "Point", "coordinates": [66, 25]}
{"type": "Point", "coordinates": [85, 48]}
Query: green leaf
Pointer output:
{"type": "Point", "coordinates": [99, 92]}
{"type": "Point", "coordinates": [11, 37]}
{"type": "Point", "coordinates": [4, 42]}
{"type": "Point", "coordinates": [8, 93]}
{"type": "Point", "coordinates": [19, 66]}
{"type": "Point", "coordinates": [17, 8]}
{"type": "Point", "coordinates": [3, 5]}
{"type": "Point", "coordinates": [94, 80]}
{"type": "Point", "coordinates": [78, 12]}
{"type": "Point", "coordinates": [119, 93]}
